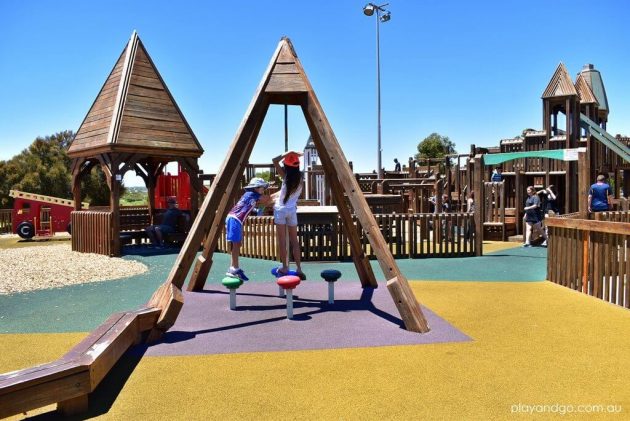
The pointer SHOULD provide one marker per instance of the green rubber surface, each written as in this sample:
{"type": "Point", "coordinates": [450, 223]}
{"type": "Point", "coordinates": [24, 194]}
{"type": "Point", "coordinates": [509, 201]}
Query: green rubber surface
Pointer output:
{"type": "Point", "coordinates": [80, 308]}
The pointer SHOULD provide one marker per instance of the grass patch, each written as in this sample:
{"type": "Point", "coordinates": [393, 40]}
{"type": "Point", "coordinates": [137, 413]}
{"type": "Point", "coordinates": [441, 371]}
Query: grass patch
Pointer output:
{"type": "Point", "coordinates": [10, 242]}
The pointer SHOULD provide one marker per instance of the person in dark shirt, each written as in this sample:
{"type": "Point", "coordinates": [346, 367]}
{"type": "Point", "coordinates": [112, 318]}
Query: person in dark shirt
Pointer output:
{"type": "Point", "coordinates": [533, 216]}
{"type": "Point", "coordinates": [157, 232]}
{"type": "Point", "coordinates": [396, 165]}
{"type": "Point", "coordinates": [599, 195]}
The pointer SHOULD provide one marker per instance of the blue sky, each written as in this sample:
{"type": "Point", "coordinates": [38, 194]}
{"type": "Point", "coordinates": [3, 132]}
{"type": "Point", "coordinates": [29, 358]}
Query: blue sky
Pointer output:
{"type": "Point", "coordinates": [473, 71]}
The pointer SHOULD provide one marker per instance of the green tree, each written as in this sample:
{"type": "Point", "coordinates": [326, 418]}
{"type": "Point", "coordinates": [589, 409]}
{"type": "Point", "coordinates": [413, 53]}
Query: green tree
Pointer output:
{"type": "Point", "coordinates": [435, 146]}
{"type": "Point", "coordinates": [44, 168]}
{"type": "Point", "coordinates": [94, 189]}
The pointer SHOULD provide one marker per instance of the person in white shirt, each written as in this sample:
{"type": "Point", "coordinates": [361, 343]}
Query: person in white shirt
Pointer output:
{"type": "Point", "coordinates": [285, 209]}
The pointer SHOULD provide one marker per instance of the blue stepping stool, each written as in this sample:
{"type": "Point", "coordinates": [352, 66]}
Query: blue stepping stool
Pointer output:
{"type": "Point", "coordinates": [232, 284]}
{"type": "Point", "coordinates": [331, 276]}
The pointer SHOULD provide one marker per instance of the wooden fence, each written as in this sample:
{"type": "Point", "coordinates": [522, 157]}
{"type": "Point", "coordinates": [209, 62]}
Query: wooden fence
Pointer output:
{"type": "Point", "coordinates": [6, 223]}
{"type": "Point", "coordinates": [592, 256]}
{"type": "Point", "coordinates": [92, 232]}
{"type": "Point", "coordinates": [407, 236]}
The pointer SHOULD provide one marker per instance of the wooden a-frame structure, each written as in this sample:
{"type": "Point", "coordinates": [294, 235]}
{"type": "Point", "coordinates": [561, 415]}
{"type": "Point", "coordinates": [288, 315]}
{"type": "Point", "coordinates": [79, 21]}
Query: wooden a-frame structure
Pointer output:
{"type": "Point", "coordinates": [285, 83]}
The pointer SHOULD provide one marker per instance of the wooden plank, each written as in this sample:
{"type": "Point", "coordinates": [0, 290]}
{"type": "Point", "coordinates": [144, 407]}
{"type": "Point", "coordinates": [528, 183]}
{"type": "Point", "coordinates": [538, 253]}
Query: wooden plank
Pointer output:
{"type": "Point", "coordinates": [621, 269]}
{"type": "Point", "coordinates": [293, 83]}
{"type": "Point", "coordinates": [61, 386]}
{"type": "Point", "coordinates": [590, 225]}
{"type": "Point", "coordinates": [627, 272]}
{"type": "Point", "coordinates": [280, 68]}
{"type": "Point", "coordinates": [73, 406]}
{"type": "Point", "coordinates": [105, 352]}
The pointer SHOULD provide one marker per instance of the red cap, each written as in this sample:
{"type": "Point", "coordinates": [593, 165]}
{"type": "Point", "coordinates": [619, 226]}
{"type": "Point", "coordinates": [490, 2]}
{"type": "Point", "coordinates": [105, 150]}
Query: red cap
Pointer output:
{"type": "Point", "coordinates": [292, 160]}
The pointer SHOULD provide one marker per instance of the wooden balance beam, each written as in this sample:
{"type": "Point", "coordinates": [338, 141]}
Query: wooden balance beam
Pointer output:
{"type": "Point", "coordinates": [68, 380]}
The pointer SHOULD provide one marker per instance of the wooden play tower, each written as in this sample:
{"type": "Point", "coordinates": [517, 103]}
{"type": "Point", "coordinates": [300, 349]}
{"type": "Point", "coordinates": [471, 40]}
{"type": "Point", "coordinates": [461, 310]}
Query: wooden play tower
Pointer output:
{"type": "Point", "coordinates": [535, 158]}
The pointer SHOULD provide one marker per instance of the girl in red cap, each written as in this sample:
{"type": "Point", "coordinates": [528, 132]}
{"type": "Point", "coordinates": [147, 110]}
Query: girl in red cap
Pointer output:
{"type": "Point", "coordinates": [285, 209]}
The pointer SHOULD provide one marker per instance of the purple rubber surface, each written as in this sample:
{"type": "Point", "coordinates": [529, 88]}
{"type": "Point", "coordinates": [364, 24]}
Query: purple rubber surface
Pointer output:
{"type": "Point", "coordinates": [358, 318]}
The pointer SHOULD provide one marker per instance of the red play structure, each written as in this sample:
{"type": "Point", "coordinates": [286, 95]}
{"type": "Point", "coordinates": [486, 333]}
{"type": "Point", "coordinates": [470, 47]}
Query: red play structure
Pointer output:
{"type": "Point", "coordinates": [36, 214]}
{"type": "Point", "coordinates": [177, 186]}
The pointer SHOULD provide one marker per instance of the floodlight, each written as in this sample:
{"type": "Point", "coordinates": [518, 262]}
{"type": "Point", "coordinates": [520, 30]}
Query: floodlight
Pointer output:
{"type": "Point", "coordinates": [368, 10]}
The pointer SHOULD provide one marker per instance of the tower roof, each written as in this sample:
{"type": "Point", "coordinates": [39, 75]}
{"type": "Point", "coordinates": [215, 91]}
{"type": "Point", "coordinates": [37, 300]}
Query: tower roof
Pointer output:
{"type": "Point", "coordinates": [560, 84]}
{"type": "Point", "coordinates": [594, 80]}
{"type": "Point", "coordinates": [584, 91]}
{"type": "Point", "coordinates": [135, 112]}
{"type": "Point", "coordinates": [309, 143]}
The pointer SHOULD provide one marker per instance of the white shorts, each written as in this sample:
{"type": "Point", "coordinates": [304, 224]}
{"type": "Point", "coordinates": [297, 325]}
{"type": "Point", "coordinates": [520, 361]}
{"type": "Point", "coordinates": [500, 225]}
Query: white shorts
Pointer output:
{"type": "Point", "coordinates": [285, 216]}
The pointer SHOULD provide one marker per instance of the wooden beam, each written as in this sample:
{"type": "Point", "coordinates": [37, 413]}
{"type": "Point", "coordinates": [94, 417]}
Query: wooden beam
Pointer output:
{"type": "Point", "coordinates": [621, 228]}
{"type": "Point", "coordinates": [584, 182]}
{"type": "Point", "coordinates": [246, 140]}
{"type": "Point", "coordinates": [478, 184]}
{"type": "Point", "coordinates": [361, 261]}
{"type": "Point", "coordinates": [320, 128]}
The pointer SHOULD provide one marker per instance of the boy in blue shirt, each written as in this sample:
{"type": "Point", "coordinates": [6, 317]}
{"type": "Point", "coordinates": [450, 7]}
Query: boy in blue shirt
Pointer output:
{"type": "Point", "coordinates": [236, 217]}
{"type": "Point", "coordinates": [599, 196]}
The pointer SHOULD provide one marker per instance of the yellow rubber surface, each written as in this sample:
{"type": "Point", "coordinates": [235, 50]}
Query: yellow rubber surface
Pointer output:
{"type": "Point", "coordinates": [534, 344]}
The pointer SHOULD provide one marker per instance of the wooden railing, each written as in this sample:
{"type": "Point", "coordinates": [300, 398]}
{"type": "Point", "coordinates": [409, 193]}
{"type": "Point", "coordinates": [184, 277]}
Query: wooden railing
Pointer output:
{"type": "Point", "coordinates": [6, 222]}
{"type": "Point", "coordinates": [591, 256]}
{"type": "Point", "coordinates": [92, 232]}
{"type": "Point", "coordinates": [134, 218]}
{"type": "Point", "coordinates": [407, 236]}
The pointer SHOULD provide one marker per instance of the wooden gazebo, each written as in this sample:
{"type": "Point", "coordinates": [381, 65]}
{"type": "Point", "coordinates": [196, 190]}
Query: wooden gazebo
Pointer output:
{"type": "Point", "coordinates": [133, 124]}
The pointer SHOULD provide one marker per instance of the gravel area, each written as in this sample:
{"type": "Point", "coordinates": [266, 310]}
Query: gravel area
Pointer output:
{"type": "Point", "coordinates": [32, 268]}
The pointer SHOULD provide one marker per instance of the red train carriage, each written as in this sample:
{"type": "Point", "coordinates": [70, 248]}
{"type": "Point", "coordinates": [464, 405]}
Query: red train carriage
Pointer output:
{"type": "Point", "coordinates": [36, 214]}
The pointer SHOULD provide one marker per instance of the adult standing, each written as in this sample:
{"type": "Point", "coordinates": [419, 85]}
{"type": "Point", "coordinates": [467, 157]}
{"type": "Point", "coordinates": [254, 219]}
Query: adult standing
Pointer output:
{"type": "Point", "coordinates": [533, 216]}
{"type": "Point", "coordinates": [599, 195]}
{"type": "Point", "coordinates": [396, 165]}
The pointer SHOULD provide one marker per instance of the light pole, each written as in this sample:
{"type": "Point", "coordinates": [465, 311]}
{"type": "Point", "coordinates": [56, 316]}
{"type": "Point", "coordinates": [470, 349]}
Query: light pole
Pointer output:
{"type": "Point", "coordinates": [382, 15]}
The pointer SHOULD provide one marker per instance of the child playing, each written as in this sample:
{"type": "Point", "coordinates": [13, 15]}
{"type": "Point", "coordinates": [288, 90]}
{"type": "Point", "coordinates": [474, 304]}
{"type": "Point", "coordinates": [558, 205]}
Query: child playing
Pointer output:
{"type": "Point", "coordinates": [236, 217]}
{"type": "Point", "coordinates": [285, 209]}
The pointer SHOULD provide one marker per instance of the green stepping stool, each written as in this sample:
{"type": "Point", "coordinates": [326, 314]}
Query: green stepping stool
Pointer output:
{"type": "Point", "coordinates": [232, 284]}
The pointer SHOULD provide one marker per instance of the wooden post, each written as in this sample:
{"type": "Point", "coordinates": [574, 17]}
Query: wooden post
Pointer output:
{"type": "Point", "coordinates": [478, 166]}
{"type": "Point", "coordinates": [518, 205]}
{"type": "Point", "coordinates": [585, 260]}
{"type": "Point", "coordinates": [584, 183]}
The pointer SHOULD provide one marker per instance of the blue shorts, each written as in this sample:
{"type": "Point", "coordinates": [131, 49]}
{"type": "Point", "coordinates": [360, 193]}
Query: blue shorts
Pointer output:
{"type": "Point", "coordinates": [285, 216]}
{"type": "Point", "coordinates": [233, 230]}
